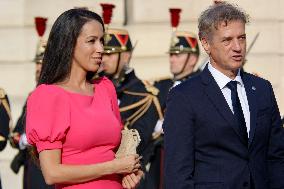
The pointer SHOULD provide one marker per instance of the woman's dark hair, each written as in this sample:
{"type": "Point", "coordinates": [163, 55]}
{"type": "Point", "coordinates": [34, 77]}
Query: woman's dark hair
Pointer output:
{"type": "Point", "coordinates": [61, 43]}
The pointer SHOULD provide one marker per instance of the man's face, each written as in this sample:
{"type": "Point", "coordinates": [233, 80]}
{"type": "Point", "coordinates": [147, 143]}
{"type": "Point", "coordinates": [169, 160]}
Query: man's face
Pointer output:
{"type": "Point", "coordinates": [109, 63]}
{"type": "Point", "coordinates": [227, 46]}
{"type": "Point", "coordinates": [177, 62]}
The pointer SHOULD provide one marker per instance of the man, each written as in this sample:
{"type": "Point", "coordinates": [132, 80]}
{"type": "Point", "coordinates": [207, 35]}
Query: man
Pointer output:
{"type": "Point", "coordinates": [223, 128]}
{"type": "Point", "coordinates": [33, 177]}
{"type": "Point", "coordinates": [183, 57]}
{"type": "Point", "coordinates": [5, 118]}
{"type": "Point", "coordinates": [138, 104]}
{"type": "Point", "coordinates": [137, 99]}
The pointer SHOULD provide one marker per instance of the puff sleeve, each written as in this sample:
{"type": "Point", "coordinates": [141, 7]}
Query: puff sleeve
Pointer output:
{"type": "Point", "coordinates": [48, 117]}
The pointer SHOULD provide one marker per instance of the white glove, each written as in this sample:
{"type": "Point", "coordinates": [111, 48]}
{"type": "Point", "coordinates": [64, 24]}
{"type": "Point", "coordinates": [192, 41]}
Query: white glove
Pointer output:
{"type": "Point", "coordinates": [23, 142]}
{"type": "Point", "coordinates": [158, 127]}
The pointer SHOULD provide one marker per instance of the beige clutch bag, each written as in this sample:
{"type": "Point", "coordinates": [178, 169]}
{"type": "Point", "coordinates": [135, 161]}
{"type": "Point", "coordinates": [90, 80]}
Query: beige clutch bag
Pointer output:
{"type": "Point", "coordinates": [130, 140]}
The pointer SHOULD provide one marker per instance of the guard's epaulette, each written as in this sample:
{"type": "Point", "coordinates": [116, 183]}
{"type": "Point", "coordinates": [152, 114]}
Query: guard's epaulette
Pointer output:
{"type": "Point", "coordinates": [162, 78]}
{"type": "Point", "coordinates": [2, 93]}
{"type": "Point", "coordinates": [150, 88]}
{"type": "Point", "coordinates": [4, 102]}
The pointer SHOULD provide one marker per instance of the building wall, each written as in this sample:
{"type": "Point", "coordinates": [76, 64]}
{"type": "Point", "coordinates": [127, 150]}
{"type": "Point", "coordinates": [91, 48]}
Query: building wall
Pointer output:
{"type": "Point", "coordinates": [149, 26]}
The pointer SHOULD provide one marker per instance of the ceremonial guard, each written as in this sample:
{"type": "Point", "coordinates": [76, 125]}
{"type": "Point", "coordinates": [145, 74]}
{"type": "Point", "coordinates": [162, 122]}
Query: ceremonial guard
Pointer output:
{"type": "Point", "coordinates": [33, 177]}
{"type": "Point", "coordinates": [137, 99]}
{"type": "Point", "coordinates": [183, 57]}
{"type": "Point", "coordinates": [5, 120]}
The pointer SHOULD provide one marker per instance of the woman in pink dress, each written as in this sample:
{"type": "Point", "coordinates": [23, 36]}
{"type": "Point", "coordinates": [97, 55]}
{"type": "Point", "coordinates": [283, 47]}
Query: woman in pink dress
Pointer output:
{"type": "Point", "coordinates": [74, 122]}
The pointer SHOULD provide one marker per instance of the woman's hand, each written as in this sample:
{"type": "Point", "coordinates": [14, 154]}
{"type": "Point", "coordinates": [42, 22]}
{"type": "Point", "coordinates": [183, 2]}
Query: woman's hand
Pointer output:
{"type": "Point", "coordinates": [127, 164]}
{"type": "Point", "coordinates": [132, 180]}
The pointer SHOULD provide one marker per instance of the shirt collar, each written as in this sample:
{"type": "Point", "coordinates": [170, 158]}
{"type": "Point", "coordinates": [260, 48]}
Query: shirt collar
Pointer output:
{"type": "Point", "coordinates": [221, 78]}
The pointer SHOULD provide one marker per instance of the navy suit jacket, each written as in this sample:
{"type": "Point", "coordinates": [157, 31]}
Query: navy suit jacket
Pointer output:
{"type": "Point", "coordinates": [203, 150]}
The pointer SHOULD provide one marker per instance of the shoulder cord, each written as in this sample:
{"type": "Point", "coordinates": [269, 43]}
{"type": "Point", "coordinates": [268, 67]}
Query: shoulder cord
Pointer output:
{"type": "Point", "coordinates": [145, 103]}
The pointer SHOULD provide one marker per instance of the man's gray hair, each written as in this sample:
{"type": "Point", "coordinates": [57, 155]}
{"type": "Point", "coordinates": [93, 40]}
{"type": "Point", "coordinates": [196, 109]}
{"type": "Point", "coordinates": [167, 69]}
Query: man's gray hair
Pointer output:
{"type": "Point", "coordinates": [217, 14]}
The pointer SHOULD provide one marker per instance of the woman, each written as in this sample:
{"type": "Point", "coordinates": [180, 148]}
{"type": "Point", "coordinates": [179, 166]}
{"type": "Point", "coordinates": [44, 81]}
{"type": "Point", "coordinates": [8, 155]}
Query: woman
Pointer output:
{"type": "Point", "coordinates": [73, 122]}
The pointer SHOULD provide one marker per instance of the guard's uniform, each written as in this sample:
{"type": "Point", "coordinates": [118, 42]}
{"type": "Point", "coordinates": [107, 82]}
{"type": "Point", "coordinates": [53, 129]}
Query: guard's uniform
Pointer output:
{"type": "Point", "coordinates": [182, 42]}
{"type": "Point", "coordinates": [137, 99]}
{"type": "Point", "coordinates": [5, 118]}
{"type": "Point", "coordinates": [143, 117]}
{"type": "Point", "coordinates": [33, 178]}
{"type": "Point", "coordinates": [164, 86]}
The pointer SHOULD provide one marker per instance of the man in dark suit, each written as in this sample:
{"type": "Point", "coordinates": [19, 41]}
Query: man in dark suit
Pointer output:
{"type": "Point", "coordinates": [222, 127]}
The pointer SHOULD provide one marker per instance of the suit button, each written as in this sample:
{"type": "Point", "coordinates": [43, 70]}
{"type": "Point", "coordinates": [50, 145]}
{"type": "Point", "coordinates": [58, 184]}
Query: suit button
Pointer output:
{"type": "Point", "coordinates": [245, 184]}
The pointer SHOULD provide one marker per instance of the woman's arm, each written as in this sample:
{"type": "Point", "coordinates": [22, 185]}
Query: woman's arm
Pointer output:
{"type": "Point", "coordinates": [54, 172]}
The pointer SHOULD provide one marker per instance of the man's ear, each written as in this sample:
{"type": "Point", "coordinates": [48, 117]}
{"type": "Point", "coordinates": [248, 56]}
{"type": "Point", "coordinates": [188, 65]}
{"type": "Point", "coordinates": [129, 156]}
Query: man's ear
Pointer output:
{"type": "Point", "coordinates": [193, 59]}
{"type": "Point", "coordinates": [206, 45]}
{"type": "Point", "coordinates": [125, 56]}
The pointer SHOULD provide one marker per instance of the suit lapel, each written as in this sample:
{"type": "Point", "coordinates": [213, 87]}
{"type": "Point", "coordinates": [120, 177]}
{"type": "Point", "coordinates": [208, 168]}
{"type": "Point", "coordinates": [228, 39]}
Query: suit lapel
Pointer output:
{"type": "Point", "coordinates": [251, 96]}
{"type": "Point", "coordinates": [217, 98]}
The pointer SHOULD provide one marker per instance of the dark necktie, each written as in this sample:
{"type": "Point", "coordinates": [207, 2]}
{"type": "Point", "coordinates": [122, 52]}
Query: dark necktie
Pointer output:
{"type": "Point", "coordinates": [237, 108]}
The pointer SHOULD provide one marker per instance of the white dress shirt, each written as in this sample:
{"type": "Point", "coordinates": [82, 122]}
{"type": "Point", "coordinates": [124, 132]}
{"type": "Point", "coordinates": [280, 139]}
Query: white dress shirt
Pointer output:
{"type": "Point", "coordinates": [222, 81]}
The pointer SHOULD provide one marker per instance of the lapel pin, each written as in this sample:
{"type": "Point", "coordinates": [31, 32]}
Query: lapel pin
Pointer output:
{"type": "Point", "coordinates": [253, 88]}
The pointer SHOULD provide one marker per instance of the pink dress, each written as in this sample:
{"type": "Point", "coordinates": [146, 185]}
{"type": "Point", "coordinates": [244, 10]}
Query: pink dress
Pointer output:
{"type": "Point", "coordinates": [87, 129]}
